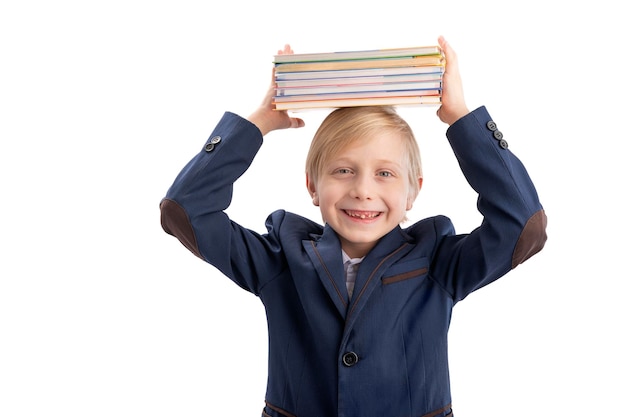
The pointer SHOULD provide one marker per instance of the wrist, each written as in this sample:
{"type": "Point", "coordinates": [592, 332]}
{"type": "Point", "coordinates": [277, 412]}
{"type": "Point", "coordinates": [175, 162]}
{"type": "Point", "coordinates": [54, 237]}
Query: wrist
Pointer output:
{"type": "Point", "coordinates": [458, 114]}
{"type": "Point", "coordinates": [260, 122]}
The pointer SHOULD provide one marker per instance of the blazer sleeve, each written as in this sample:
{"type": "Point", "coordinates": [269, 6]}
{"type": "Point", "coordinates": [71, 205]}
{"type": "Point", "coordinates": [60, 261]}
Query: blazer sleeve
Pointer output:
{"type": "Point", "coordinates": [514, 222]}
{"type": "Point", "coordinates": [193, 208]}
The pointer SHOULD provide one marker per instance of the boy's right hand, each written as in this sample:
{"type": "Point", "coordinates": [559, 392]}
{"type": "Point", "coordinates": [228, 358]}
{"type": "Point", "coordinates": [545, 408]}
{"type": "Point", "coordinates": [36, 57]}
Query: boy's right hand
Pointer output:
{"type": "Point", "coordinates": [266, 117]}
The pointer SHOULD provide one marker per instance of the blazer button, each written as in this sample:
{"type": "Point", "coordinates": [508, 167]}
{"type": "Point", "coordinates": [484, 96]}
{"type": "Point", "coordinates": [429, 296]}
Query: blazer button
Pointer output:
{"type": "Point", "coordinates": [211, 145]}
{"type": "Point", "coordinates": [350, 359]}
{"type": "Point", "coordinates": [504, 144]}
{"type": "Point", "coordinates": [498, 135]}
{"type": "Point", "coordinates": [491, 125]}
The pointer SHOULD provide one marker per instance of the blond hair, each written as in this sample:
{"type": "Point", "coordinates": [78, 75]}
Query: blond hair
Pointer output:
{"type": "Point", "coordinates": [349, 124]}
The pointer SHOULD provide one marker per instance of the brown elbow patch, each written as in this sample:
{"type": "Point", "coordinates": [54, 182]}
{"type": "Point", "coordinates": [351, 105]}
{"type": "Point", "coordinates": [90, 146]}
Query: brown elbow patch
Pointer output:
{"type": "Point", "coordinates": [532, 239]}
{"type": "Point", "coordinates": [175, 221]}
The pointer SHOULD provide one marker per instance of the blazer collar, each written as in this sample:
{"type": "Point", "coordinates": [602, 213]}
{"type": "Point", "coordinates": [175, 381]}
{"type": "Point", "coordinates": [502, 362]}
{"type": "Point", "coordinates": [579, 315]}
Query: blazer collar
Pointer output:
{"type": "Point", "coordinates": [325, 253]}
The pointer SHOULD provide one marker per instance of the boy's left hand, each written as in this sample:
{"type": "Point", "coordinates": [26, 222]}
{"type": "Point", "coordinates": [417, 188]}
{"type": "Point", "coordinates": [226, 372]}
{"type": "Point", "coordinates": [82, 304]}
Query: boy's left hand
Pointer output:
{"type": "Point", "coordinates": [453, 105]}
{"type": "Point", "coordinates": [266, 117]}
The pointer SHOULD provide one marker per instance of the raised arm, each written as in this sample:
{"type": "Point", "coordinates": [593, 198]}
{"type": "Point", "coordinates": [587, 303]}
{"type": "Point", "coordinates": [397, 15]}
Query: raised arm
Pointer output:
{"type": "Point", "coordinates": [514, 222]}
{"type": "Point", "coordinates": [193, 209]}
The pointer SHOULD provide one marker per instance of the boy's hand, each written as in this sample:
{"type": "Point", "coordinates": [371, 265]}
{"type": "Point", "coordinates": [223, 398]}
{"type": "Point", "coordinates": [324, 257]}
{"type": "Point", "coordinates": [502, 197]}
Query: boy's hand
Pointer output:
{"type": "Point", "coordinates": [265, 117]}
{"type": "Point", "coordinates": [452, 99]}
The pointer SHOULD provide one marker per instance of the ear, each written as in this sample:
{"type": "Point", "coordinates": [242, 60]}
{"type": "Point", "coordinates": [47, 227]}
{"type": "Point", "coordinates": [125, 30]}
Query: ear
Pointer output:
{"type": "Point", "coordinates": [413, 195]}
{"type": "Point", "coordinates": [310, 186]}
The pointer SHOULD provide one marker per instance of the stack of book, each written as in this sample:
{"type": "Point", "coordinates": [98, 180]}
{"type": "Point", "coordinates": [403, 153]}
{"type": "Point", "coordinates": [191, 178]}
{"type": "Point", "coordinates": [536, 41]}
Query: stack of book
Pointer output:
{"type": "Point", "coordinates": [401, 76]}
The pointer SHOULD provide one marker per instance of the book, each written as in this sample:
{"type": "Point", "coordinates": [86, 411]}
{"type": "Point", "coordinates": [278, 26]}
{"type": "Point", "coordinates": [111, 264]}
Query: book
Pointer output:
{"type": "Point", "coordinates": [341, 81]}
{"type": "Point", "coordinates": [360, 94]}
{"type": "Point", "coordinates": [401, 76]}
{"type": "Point", "coordinates": [365, 72]}
{"type": "Point", "coordinates": [360, 64]}
{"type": "Point", "coordinates": [371, 101]}
{"type": "Point", "coordinates": [421, 85]}
{"type": "Point", "coordinates": [364, 54]}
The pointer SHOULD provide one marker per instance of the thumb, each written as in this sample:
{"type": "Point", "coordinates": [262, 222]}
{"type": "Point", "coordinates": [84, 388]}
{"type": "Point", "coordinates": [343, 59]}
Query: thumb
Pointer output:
{"type": "Point", "coordinates": [296, 122]}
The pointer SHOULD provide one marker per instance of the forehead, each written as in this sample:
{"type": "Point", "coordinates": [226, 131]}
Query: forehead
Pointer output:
{"type": "Point", "coordinates": [380, 145]}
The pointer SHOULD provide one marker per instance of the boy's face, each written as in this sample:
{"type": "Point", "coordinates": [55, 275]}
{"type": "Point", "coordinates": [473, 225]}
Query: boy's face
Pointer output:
{"type": "Point", "coordinates": [363, 192]}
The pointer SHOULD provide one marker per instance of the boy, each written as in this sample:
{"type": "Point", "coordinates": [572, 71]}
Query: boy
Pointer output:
{"type": "Point", "coordinates": [358, 309]}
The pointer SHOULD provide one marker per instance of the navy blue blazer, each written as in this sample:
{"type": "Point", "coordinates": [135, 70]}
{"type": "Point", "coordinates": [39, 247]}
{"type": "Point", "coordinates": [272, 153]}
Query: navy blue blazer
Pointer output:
{"type": "Point", "coordinates": [382, 353]}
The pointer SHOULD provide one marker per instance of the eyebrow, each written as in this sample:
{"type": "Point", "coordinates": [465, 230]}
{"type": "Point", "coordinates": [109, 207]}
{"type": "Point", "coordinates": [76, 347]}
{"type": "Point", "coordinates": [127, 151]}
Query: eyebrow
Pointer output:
{"type": "Point", "coordinates": [340, 161]}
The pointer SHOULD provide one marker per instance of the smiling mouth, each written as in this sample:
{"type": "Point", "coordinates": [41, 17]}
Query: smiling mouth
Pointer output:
{"type": "Point", "coordinates": [363, 214]}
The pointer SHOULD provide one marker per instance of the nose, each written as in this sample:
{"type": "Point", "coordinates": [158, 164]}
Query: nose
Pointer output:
{"type": "Point", "coordinates": [362, 187]}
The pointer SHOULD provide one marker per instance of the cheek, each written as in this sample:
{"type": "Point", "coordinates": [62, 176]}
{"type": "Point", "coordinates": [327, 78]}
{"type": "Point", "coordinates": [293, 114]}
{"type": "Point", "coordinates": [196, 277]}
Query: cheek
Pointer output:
{"type": "Point", "coordinates": [404, 200]}
{"type": "Point", "coordinates": [328, 191]}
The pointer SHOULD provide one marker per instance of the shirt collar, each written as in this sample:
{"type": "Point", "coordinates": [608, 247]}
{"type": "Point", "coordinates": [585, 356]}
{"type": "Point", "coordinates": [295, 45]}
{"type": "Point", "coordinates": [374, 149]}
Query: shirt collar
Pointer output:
{"type": "Point", "coordinates": [347, 259]}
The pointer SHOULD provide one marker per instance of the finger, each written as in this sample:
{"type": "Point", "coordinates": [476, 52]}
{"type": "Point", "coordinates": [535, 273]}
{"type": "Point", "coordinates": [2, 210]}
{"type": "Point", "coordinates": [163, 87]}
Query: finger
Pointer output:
{"type": "Point", "coordinates": [448, 52]}
{"type": "Point", "coordinates": [296, 122]}
{"type": "Point", "coordinates": [441, 41]}
{"type": "Point", "coordinates": [286, 50]}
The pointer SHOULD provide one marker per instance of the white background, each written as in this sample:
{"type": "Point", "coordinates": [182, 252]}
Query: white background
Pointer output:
{"type": "Point", "coordinates": [102, 103]}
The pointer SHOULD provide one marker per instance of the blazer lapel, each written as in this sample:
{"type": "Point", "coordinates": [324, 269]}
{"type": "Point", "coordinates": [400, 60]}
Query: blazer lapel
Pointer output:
{"type": "Point", "coordinates": [325, 254]}
{"type": "Point", "coordinates": [390, 248]}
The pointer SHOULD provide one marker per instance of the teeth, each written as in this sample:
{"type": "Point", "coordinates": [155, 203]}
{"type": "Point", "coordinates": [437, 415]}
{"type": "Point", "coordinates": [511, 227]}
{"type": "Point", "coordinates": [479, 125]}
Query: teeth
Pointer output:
{"type": "Point", "coordinates": [363, 216]}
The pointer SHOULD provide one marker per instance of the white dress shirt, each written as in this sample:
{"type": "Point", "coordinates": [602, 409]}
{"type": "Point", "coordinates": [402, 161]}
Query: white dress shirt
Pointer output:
{"type": "Point", "coordinates": [350, 267]}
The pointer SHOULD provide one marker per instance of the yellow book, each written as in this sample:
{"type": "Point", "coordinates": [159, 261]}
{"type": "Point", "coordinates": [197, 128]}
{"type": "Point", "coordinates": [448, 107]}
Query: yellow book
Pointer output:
{"type": "Point", "coordinates": [416, 61]}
